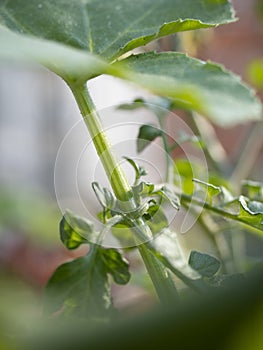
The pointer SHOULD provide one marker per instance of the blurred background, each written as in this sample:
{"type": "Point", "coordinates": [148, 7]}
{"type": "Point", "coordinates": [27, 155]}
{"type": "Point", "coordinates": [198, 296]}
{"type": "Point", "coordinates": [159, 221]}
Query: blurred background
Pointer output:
{"type": "Point", "coordinates": [36, 112]}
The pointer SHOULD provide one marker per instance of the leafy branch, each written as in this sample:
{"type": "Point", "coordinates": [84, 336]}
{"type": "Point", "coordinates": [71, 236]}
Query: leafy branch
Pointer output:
{"type": "Point", "coordinates": [80, 40]}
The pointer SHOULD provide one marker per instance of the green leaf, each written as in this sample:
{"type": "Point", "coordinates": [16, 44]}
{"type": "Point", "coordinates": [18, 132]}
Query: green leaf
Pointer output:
{"type": "Point", "coordinates": [183, 175]}
{"type": "Point", "coordinates": [147, 134]}
{"type": "Point", "coordinates": [139, 171]}
{"type": "Point", "coordinates": [104, 196]}
{"type": "Point", "coordinates": [110, 28]}
{"type": "Point", "coordinates": [158, 105]}
{"type": "Point", "coordinates": [143, 189]}
{"type": "Point", "coordinates": [169, 195]}
{"type": "Point", "coordinates": [194, 84]}
{"type": "Point", "coordinates": [82, 286]}
{"type": "Point", "coordinates": [238, 209]}
{"type": "Point", "coordinates": [207, 88]}
{"type": "Point", "coordinates": [83, 283]}
{"type": "Point", "coordinates": [124, 234]}
{"type": "Point", "coordinates": [69, 63]}
{"type": "Point", "coordinates": [252, 189]}
{"type": "Point", "coordinates": [116, 265]}
{"type": "Point", "coordinates": [136, 104]}
{"type": "Point", "coordinates": [215, 194]}
{"type": "Point", "coordinates": [204, 264]}
{"type": "Point", "coordinates": [156, 219]}
{"type": "Point", "coordinates": [75, 231]}
{"type": "Point", "coordinates": [251, 212]}
{"type": "Point", "coordinates": [212, 190]}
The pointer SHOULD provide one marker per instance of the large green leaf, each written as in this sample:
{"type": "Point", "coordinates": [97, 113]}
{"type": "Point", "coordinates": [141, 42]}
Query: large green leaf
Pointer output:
{"type": "Point", "coordinates": [194, 84]}
{"type": "Point", "coordinates": [69, 63]}
{"type": "Point", "coordinates": [190, 83]}
{"type": "Point", "coordinates": [82, 286]}
{"type": "Point", "coordinates": [111, 28]}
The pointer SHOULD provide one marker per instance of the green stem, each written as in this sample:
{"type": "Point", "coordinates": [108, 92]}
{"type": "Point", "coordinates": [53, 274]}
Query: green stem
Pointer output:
{"type": "Point", "coordinates": [115, 174]}
{"type": "Point", "coordinates": [165, 292]}
{"type": "Point", "coordinates": [121, 187]}
{"type": "Point", "coordinates": [188, 199]}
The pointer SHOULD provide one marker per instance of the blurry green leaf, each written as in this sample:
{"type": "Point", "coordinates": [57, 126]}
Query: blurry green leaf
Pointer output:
{"type": "Point", "coordinates": [251, 212]}
{"type": "Point", "coordinates": [75, 231]}
{"type": "Point", "coordinates": [238, 209]}
{"type": "Point", "coordinates": [123, 232]}
{"type": "Point", "coordinates": [69, 63]}
{"type": "Point", "coordinates": [82, 286]}
{"type": "Point", "coordinates": [169, 195]}
{"type": "Point", "coordinates": [156, 219]}
{"type": "Point", "coordinates": [252, 189]}
{"type": "Point", "coordinates": [147, 189]}
{"type": "Point", "coordinates": [215, 192]}
{"type": "Point", "coordinates": [143, 189]}
{"type": "Point", "coordinates": [110, 28]}
{"type": "Point", "coordinates": [245, 211]}
{"type": "Point", "coordinates": [206, 87]}
{"type": "Point", "coordinates": [84, 282]}
{"type": "Point", "coordinates": [116, 265]}
{"type": "Point", "coordinates": [184, 172]}
{"type": "Point", "coordinates": [104, 196]}
{"type": "Point", "coordinates": [64, 36]}
{"type": "Point", "coordinates": [139, 171]}
{"type": "Point", "coordinates": [147, 134]}
{"type": "Point", "coordinates": [212, 190]}
{"type": "Point", "coordinates": [136, 104]}
{"type": "Point", "coordinates": [204, 264]}
{"type": "Point", "coordinates": [195, 140]}
{"type": "Point", "coordinates": [255, 73]}
{"type": "Point", "coordinates": [158, 105]}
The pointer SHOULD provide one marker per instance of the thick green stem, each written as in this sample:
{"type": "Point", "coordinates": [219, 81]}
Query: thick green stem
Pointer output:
{"type": "Point", "coordinates": [115, 174]}
{"type": "Point", "coordinates": [121, 188]}
{"type": "Point", "coordinates": [166, 292]}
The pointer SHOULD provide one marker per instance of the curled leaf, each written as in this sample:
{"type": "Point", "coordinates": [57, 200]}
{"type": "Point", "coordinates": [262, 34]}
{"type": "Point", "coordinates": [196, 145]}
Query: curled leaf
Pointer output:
{"type": "Point", "coordinates": [104, 196]}
{"type": "Point", "coordinates": [75, 230]}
